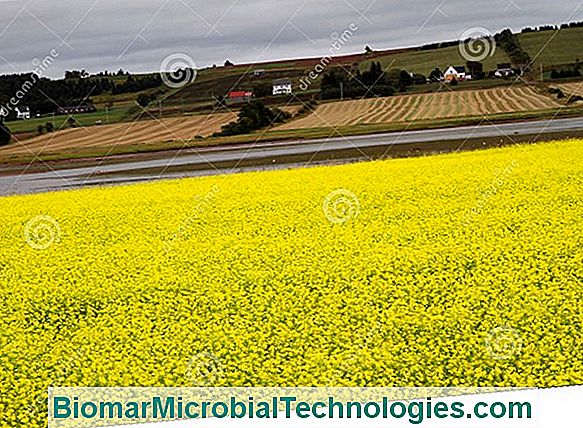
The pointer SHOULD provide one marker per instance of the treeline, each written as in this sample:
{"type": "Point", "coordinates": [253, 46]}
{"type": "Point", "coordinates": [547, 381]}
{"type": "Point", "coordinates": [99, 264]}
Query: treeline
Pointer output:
{"type": "Point", "coordinates": [81, 74]}
{"type": "Point", "coordinates": [375, 82]}
{"type": "Point", "coordinates": [253, 116]}
{"type": "Point", "coordinates": [508, 41]}
{"type": "Point", "coordinates": [432, 46]}
{"type": "Point", "coordinates": [43, 96]}
{"type": "Point", "coordinates": [567, 71]}
{"type": "Point", "coordinates": [552, 27]}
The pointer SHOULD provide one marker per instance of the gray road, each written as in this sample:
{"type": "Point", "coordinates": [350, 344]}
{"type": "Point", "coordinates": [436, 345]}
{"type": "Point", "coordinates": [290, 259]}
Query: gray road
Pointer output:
{"type": "Point", "coordinates": [245, 157]}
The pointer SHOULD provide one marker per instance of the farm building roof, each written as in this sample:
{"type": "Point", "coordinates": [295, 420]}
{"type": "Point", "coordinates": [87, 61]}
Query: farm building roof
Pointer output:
{"type": "Point", "coordinates": [240, 94]}
{"type": "Point", "coordinates": [282, 82]}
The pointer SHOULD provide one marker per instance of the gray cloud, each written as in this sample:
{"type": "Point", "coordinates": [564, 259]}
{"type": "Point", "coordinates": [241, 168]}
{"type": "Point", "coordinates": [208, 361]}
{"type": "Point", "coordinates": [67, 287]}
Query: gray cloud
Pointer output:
{"type": "Point", "coordinates": [138, 34]}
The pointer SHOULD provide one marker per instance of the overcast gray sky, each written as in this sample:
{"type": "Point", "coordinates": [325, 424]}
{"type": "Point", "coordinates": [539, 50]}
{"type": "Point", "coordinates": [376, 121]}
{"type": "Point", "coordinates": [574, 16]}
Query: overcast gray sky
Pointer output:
{"type": "Point", "coordinates": [138, 34]}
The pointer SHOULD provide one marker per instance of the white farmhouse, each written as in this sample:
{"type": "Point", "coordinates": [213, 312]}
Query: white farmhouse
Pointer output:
{"type": "Point", "coordinates": [282, 86]}
{"type": "Point", "coordinates": [456, 73]}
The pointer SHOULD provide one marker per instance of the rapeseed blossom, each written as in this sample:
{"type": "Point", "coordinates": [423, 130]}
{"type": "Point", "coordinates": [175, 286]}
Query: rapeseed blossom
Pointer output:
{"type": "Point", "coordinates": [454, 270]}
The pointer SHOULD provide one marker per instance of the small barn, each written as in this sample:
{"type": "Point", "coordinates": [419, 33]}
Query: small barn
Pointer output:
{"type": "Point", "coordinates": [239, 96]}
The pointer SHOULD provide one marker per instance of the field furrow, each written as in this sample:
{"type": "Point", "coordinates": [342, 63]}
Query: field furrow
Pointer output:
{"type": "Point", "coordinates": [442, 105]}
{"type": "Point", "coordinates": [574, 88]}
{"type": "Point", "coordinates": [107, 136]}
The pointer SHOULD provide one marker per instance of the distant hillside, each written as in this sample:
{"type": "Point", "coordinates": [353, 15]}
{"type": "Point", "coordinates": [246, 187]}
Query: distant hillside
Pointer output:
{"type": "Point", "coordinates": [550, 48]}
{"type": "Point", "coordinates": [552, 45]}
{"type": "Point", "coordinates": [547, 48]}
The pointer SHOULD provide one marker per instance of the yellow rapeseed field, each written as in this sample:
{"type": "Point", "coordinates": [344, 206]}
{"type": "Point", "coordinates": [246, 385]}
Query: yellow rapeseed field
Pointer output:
{"type": "Point", "coordinates": [462, 269]}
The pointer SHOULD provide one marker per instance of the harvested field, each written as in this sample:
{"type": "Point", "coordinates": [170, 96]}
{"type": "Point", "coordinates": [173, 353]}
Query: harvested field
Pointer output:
{"type": "Point", "coordinates": [407, 108]}
{"type": "Point", "coordinates": [292, 109]}
{"type": "Point", "coordinates": [574, 88]}
{"type": "Point", "coordinates": [109, 136]}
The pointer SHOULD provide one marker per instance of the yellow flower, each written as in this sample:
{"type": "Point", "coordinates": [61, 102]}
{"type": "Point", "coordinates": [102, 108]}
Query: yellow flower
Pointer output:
{"type": "Point", "coordinates": [461, 269]}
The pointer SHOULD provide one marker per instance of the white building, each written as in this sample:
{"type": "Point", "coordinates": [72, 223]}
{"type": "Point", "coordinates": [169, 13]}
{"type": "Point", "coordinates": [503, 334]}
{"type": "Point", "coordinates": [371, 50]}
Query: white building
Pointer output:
{"type": "Point", "coordinates": [282, 86]}
{"type": "Point", "coordinates": [504, 70]}
{"type": "Point", "coordinates": [23, 114]}
{"type": "Point", "coordinates": [456, 73]}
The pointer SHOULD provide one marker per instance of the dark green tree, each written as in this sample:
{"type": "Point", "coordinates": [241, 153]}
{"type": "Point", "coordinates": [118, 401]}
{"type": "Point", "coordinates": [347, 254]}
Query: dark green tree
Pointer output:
{"type": "Point", "coordinates": [254, 115]}
{"type": "Point", "coordinates": [436, 75]}
{"type": "Point", "coordinates": [419, 79]}
{"type": "Point", "coordinates": [476, 70]}
{"type": "Point", "coordinates": [144, 100]}
{"type": "Point", "coordinates": [508, 41]}
{"type": "Point", "coordinates": [353, 84]}
{"type": "Point", "coordinates": [405, 79]}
